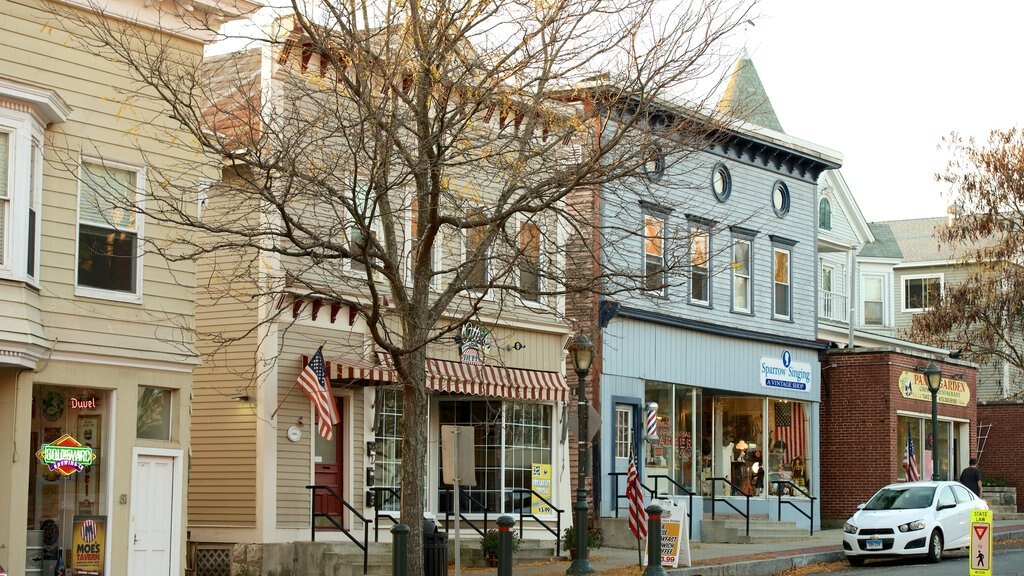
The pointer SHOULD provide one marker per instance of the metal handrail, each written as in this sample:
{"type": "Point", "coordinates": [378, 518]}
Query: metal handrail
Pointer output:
{"type": "Point", "coordinates": [377, 514]}
{"type": "Point", "coordinates": [364, 546]}
{"type": "Point", "coordinates": [655, 494]}
{"type": "Point", "coordinates": [462, 516]}
{"type": "Point", "coordinates": [558, 519]}
{"type": "Point", "coordinates": [715, 498]}
{"type": "Point", "coordinates": [778, 491]}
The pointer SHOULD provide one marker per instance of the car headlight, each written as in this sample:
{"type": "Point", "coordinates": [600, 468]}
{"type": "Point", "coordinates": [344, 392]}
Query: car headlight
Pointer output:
{"type": "Point", "coordinates": [911, 526]}
{"type": "Point", "coordinates": [849, 528]}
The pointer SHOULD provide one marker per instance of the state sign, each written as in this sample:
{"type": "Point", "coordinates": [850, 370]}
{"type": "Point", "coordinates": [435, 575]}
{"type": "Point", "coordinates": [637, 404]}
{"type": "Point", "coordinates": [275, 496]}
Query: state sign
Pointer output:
{"type": "Point", "coordinates": [981, 543]}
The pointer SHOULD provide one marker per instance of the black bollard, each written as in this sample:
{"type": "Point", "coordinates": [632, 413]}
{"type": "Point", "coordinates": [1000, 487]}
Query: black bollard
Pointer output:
{"type": "Point", "coordinates": [400, 550]}
{"type": "Point", "coordinates": [654, 567]}
{"type": "Point", "coordinates": [505, 535]}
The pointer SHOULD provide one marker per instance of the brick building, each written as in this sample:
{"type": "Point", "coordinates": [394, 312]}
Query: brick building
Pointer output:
{"type": "Point", "coordinates": [1003, 450]}
{"type": "Point", "coordinates": [871, 399]}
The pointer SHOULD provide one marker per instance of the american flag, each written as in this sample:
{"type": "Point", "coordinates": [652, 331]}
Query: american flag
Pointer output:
{"type": "Point", "coordinates": [791, 428]}
{"type": "Point", "coordinates": [313, 381]}
{"type": "Point", "coordinates": [635, 495]}
{"type": "Point", "coordinates": [910, 459]}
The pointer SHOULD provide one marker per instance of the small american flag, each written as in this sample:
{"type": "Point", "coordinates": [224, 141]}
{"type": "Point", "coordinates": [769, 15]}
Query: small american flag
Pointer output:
{"type": "Point", "coordinates": [910, 459]}
{"type": "Point", "coordinates": [313, 381]}
{"type": "Point", "coordinates": [635, 495]}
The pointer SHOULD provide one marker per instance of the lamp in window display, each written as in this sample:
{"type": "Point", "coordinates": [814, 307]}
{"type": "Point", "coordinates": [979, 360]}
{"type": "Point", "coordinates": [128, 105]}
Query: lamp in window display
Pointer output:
{"type": "Point", "coordinates": [582, 353]}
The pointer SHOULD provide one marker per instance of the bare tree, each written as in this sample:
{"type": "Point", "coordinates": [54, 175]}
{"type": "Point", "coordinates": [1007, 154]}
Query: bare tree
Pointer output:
{"type": "Point", "coordinates": [401, 157]}
{"type": "Point", "coordinates": [983, 316]}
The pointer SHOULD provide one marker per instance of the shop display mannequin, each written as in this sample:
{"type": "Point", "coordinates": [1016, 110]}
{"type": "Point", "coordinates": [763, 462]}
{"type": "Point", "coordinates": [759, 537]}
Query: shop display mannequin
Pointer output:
{"type": "Point", "coordinates": [725, 464]}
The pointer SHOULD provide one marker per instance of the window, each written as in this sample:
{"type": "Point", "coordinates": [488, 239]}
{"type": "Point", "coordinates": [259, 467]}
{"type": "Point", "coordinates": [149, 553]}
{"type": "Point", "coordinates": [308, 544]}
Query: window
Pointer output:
{"type": "Point", "coordinates": [388, 464]}
{"type": "Point", "coordinates": [5, 198]}
{"type": "Point", "coordinates": [623, 431]}
{"type": "Point", "coordinates": [20, 183]}
{"type": "Point", "coordinates": [874, 300]}
{"type": "Point", "coordinates": [529, 261]}
{"type": "Point", "coordinates": [741, 276]}
{"type": "Point", "coordinates": [721, 182]}
{"type": "Point", "coordinates": [108, 229]}
{"type": "Point", "coordinates": [153, 420]}
{"type": "Point", "coordinates": [655, 275]}
{"type": "Point", "coordinates": [825, 214]}
{"type": "Point", "coordinates": [654, 164]}
{"type": "Point", "coordinates": [921, 293]}
{"type": "Point", "coordinates": [780, 198]}
{"type": "Point", "coordinates": [364, 220]}
{"type": "Point", "coordinates": [700, 279]}
{"type": "Point", "coordinates": [781, 279]}
{"type": "Point", "coordinates": [476, 255]}
{"type": "Point", "coordinates": [435, 248]}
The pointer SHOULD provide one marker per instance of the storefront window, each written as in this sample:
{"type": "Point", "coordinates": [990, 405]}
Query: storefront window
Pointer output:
{"type": "Point", "coordinates": [920, 430]}
{"type": "Point", "coordinates": [388, 465]}
{"type": "Point", "coordinates": [58, 495]}
{"type": "Point", "coordinates": [669, 457]}
{"type": "Point", "coordinates": [789, 456]}
{"type": "Point", "coordinates": [154, 414]}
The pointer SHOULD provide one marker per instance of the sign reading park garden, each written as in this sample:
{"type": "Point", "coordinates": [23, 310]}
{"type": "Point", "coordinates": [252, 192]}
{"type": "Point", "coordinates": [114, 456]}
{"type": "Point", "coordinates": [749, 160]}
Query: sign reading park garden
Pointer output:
{"type": "Point", "coordinates": [915, 385]}
{"type": "Point", "coordinates": [66, 455]}
{"type": "Point", "coordinates": [784, 373]}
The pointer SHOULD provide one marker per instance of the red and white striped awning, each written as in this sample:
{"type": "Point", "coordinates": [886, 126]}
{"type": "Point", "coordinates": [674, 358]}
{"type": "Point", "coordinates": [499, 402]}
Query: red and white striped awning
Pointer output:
{"type": "Point", "coordinates": [458, 378]}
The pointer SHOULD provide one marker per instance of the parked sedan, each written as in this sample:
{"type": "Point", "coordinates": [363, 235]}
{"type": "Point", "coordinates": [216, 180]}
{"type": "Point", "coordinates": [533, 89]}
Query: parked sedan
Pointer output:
{"type": "Point", "coordinates": [911, 519]}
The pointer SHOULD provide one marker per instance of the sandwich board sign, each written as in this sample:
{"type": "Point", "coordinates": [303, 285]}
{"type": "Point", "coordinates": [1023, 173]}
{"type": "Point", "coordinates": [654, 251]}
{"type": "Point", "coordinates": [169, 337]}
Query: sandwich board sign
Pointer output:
{"type": "Point", "coordinates": [981, 543]}
{"type": "Point", "coordinates": [675, 539]}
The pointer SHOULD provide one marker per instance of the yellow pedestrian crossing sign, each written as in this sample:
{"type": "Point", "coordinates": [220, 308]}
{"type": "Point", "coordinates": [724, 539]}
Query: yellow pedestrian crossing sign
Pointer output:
{"type": "Point", "coordinates": [981, 543]}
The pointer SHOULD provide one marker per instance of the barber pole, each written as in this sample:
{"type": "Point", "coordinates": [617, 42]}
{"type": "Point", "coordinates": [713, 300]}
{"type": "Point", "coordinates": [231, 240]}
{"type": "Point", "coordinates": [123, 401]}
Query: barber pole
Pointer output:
{"type": "Point", "coordinates": [652, 421]}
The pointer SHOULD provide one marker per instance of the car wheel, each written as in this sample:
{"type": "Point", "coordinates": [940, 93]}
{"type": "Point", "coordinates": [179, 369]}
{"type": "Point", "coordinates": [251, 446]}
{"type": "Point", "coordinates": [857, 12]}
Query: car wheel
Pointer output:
{"type": "Point", "coordinates": [855, 560]}
{"type": "Point", "coordinates": [935, 547]}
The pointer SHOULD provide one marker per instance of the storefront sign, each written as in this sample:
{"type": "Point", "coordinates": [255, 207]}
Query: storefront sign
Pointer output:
{"type": "Point", "coordinates": [66, 456]}
{"type": "Point", "coordinates": [675, 540]}
{"type": "Point", "coordinates": [473, 344]}
{"type": "Point", "coordinates": [541, 484]}
{"type": "Point", "coordinates": [784, 373]}
{"type": "Point", "coordinates": [83, 403]}
{"type": "Point", "coordinates": [915, 385]}
{"type": "Point", "coordinates": [88, 546]}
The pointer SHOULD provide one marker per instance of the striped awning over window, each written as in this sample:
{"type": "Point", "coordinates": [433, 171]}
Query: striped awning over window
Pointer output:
{"type": "Point", "coordinates": [458, 378]}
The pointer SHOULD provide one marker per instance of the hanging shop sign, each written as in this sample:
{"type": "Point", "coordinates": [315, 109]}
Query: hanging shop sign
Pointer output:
{"type": "Point", "coordinates": [88, 547]}
{"type": "Point", "coordinates": [66, 456]}
{"type": "Point", "coordinates": [786, 374]}
{"type": "Point", "coordinates": [473, 345]}
{"type": "Point", "coordinates": [914, 385]}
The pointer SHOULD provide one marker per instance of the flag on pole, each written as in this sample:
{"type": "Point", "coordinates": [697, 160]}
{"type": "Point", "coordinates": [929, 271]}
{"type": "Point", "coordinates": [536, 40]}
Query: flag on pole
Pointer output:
{"type": "Point", "coordinates": [313, 381]}
{"type": "Point", "coordinates": [910, 459]}
{"type": "Point", "coordinates": [635, 495]}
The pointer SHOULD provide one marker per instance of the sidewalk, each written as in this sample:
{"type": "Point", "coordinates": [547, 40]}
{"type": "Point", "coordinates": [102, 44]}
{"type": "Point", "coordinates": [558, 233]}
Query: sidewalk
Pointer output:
{"type": "Point", "coordinates": [712, 559]}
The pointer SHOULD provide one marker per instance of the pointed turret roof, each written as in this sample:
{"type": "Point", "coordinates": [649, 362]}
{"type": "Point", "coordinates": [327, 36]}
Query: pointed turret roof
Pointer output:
{"type": "Point", "coordinates": [745, 99]}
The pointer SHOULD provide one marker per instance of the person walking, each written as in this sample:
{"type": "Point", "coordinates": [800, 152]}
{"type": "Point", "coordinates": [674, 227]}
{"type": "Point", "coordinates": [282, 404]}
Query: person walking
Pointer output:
{"type": "Point", "coordinates": [971, 477]}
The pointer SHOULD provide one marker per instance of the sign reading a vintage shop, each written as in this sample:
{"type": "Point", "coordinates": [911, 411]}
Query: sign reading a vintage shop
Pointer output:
{"type": "Point", "coordinates": [66, 455]}
{"type": "Point", "coordinates": [785, 374]}
{"type": "Point", "coordinates": [915, 385]}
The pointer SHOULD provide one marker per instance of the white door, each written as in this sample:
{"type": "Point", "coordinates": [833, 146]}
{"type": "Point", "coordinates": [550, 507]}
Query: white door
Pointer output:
{"type": "Point", "coordinates": [155, 508]}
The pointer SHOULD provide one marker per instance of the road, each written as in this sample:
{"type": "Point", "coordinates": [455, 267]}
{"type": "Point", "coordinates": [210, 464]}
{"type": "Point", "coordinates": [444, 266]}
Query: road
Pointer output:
{"type": "Point", "coordinates": [1006, 563]}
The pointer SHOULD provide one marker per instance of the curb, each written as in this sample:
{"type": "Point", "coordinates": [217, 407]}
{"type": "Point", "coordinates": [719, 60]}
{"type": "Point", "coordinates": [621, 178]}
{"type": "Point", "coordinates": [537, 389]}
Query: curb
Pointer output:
{"type": "Point", "coordinates": [775, 565]}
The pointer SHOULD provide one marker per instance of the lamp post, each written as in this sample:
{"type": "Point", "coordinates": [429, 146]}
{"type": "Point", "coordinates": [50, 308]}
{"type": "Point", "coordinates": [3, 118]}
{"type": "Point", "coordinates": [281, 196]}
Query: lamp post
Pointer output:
{"type": "Point", "coordinates": [934, 377]}
{"type": "Point", "coordinates": [582, 353]}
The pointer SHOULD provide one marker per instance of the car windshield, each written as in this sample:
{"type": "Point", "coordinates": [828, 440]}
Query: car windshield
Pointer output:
{"type": "Point", "coordinates": [901, 498]}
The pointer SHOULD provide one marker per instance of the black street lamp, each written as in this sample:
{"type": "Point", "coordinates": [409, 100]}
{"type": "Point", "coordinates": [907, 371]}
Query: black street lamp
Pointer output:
{"type": "Point", "coordinates": [582, 353]}
{"type": "Point", "coordinates": [934, 377]}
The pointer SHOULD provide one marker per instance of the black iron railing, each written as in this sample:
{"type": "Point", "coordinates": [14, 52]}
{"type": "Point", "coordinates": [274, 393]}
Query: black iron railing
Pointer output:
{"type": "Point", "coordinates": [557, 531]}
{"type": "Point", "coordinates": [331, 518]}
{"type": "Point", "coordinates": [811, 499]}
{"type": "Point", "coordinates": [656, 493]}
{"type": "Point", "coordinates": [383, 498]}
{"type": "Point", "coordinates": [462, 515]}
{"type": "Point", "coordinates": [715, 498]}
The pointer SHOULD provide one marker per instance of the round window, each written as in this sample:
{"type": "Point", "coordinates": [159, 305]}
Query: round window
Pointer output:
{"type": "Point", "coordinates": [654, 165]}
{"type": "Point", "coordinates": [780, 198]}
{"type": "Point", "coordinates": [721, 182]}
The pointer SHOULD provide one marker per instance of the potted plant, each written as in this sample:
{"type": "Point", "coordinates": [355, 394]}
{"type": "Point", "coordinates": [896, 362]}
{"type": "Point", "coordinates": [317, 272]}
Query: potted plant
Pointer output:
{"type": "Point", "coordinates": [594, 539]}
{"type": "Point", "coordinates": [491, 542]}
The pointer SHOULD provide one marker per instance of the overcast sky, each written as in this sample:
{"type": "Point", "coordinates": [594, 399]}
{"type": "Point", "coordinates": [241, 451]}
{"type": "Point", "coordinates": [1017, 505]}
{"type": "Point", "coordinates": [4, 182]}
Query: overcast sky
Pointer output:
{"type": "Point", "coordinates": [883, 81]}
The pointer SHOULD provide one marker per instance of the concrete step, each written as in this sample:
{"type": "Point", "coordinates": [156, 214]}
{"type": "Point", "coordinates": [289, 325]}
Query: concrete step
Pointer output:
{"type": "Point", "coordinates": [996, 515]}
{"type": "Point", "coordinates": [734, 531]}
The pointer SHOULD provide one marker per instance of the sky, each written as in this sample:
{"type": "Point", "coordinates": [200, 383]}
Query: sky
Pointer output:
{"type": "Point", "coordinates": [883, 82]}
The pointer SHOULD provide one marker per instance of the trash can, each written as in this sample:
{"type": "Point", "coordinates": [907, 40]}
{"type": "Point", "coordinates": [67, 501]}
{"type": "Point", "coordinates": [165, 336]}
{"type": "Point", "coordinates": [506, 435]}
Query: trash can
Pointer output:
{"type": "Point", "coordinates": [435, 550]}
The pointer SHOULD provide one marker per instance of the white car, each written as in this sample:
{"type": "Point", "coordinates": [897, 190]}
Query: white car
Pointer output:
{"type": "Point", "coordinates": [911, 519]}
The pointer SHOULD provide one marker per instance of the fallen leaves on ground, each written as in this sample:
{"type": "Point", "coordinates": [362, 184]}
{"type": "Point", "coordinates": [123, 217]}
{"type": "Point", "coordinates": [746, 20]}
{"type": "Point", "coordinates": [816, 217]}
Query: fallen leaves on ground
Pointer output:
{"type": "Point", "coordinates": [816, 568]}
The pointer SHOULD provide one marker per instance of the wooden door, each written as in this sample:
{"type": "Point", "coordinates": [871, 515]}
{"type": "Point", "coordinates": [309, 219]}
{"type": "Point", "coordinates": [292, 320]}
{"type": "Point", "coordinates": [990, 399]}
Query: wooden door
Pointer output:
{"type": "Point", "coordinates": [330, 467]}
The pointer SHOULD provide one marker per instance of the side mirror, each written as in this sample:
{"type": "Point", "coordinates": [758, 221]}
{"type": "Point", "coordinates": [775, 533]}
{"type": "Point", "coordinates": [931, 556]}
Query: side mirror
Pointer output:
{"type": "Point", "coordinates": [861, 505]}
{"type": "Point", "coordinates": [945, 506]}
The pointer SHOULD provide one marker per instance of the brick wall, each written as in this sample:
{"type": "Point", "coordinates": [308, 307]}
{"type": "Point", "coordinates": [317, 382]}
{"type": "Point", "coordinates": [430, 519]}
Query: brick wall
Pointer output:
{"type": "Point", "coordinates": [860, 400]}
{"type": "Point", "coordinates": [1004, 449]}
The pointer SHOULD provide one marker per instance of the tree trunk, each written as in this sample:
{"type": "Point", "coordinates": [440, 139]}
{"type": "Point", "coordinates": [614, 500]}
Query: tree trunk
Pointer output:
{"type": "Point", "coordinates": [412, 367]}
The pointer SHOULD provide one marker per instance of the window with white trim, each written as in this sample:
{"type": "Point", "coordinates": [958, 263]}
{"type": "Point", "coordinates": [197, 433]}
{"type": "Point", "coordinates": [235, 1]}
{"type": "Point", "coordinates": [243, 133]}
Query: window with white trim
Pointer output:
{"type": "Point", "coordinates": [874, 299]}
{"type": "Point", "coordinates": [20, 193]}
{"type": "Point", "coordinates": [921, 292]}
{"type": "Point", "coordinates": [623, 430]}
{"type": "Point", "coordinates": [530, 261]}
{"type": "Point", "coordinates": [824, 214]}
{"type": "Point", "coordinates": [782, 294]}
{"type": "Point", "coordinates": [433, 257]}
{"type": "Point", "coordinates": [655, 274]}
{"type": "Point", "coordinates": [475, 255]}
{"type": "Point", "coordinates": [364, 220]}
{"type": "Point", "coordinates": [700, 264]}
{"type": "Point", "coordinates": [109, 239]}
{"type": "Point", "coordinates": [741, 276]}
